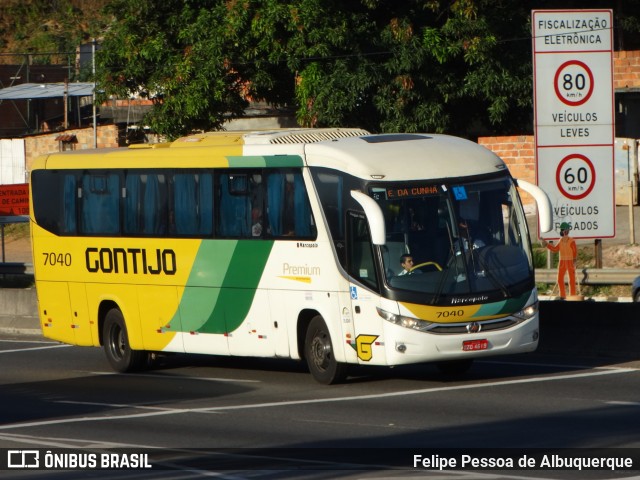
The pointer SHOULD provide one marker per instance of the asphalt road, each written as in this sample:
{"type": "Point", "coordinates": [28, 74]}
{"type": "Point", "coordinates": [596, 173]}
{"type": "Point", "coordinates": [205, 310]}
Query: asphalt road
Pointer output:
{"type": "Point", "coordinates": [191, 410]}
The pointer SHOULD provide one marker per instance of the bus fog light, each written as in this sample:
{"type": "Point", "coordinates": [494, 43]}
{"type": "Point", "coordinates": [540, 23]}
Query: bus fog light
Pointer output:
{"type": "Point", "coordinates": [401, 347]}
{"type": "Point", "coordinates": [536, 335]}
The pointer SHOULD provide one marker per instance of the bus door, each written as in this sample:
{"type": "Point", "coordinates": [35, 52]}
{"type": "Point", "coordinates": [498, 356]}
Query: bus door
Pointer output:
{"type": "Point", "coordinates": [361, 265]}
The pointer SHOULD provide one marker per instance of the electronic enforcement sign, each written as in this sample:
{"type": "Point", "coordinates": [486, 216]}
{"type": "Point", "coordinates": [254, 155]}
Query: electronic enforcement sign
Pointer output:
{"type": "Point", "coordinates": [574, 128]}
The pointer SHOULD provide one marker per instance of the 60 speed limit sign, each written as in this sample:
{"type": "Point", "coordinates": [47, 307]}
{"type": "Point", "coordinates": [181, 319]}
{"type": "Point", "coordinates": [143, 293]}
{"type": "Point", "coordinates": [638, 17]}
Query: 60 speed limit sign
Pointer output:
{"type": "Point", "coordinates": [575, 176]}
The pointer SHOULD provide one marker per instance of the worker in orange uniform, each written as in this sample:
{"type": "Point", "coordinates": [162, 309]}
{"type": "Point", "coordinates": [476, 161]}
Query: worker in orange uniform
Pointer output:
{"type": "Point", "coordinates": [568, 255]}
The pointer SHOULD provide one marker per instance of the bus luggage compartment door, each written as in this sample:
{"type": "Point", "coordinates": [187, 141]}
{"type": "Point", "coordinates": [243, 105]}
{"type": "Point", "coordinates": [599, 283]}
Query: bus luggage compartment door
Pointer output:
{"type": "Point", "coordinates": [63, 313]}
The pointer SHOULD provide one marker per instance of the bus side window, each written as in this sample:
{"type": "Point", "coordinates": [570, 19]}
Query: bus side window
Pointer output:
{"type": "Point", "coordinates": [331, 191]}
{"type": "Point", "coordinates": [132, 204]}
{"type": "Point", "coordinates": [193, 203]}
{"type": "Point", "coordinates": [360, 262]}
{"type": "Point", "coordinates": [69, 199]}
{"type": "Point", "coordinates": [145, 211]}
{"type": "Point", "coordinates": [288, 209]}
{"type": "Point", "coordinates": [155, 205]}
{"type": "Point", "coordinates": [100, 204]}
{"type": "Point", "coordinates": [55, 200]}
{"type": "Point", "coordinates": [234, 216]}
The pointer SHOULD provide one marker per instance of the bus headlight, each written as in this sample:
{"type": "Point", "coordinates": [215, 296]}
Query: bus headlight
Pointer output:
{"type": "Point", "coordinates": [401, 320]}
{"type": "Point", "coordinates": [527, 312]}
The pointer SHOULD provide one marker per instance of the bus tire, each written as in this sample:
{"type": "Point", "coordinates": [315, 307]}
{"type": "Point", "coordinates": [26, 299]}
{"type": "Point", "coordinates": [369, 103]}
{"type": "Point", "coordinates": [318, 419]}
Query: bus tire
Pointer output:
{"type": "Point", "coordinates": [318, 352]}
{"type": "Point", "coordinates": [454, 368]}
{"type": "Point", "coordinates": [116, 344]}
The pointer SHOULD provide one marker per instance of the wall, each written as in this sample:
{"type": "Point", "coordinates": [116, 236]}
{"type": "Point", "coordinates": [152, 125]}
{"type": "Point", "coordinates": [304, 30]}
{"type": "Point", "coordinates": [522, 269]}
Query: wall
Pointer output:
{"type": "Point", "coordinates": [518, 150]}
{"type": "Point", "coordinates": [626, 69]}
{"type": "Point", "coordinates": [12, 161]}
{"type": "Point", "coordinates": [37, 145]}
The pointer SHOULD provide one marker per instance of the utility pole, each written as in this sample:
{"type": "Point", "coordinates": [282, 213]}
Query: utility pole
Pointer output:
{"type": "Point", "coordinates": [95, 121]}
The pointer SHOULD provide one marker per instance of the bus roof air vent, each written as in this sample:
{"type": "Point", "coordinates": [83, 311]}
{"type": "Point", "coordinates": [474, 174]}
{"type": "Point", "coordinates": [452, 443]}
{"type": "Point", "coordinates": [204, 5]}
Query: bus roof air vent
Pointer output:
{"type": "Point", "coordinates": [302, 135]}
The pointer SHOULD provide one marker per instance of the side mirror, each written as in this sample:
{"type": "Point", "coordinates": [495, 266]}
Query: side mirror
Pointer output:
{"type": "Point", "coordinates": [545, 215]}
{"type": "Point", "coordinates": [374, 215]}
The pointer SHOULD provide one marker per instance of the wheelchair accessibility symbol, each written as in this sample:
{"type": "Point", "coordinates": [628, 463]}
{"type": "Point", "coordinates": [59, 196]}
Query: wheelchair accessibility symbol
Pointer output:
{"type": "Point", "coordinates": [354, 293]}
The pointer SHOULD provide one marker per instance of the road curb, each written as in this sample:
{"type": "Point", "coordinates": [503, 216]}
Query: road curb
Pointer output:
{"type": "Point", "coordinates": [28, 326]}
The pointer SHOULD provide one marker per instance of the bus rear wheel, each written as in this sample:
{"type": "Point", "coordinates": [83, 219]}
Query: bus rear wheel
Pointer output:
{"type": "Point", "coordinates": [116, 344]}
{"type": "Point", "coordinates": [318, 352]}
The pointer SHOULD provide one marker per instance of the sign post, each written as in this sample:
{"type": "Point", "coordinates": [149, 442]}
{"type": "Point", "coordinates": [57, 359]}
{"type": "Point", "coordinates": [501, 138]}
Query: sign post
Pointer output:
{"type": "Point", "coordinates": [573, 107]}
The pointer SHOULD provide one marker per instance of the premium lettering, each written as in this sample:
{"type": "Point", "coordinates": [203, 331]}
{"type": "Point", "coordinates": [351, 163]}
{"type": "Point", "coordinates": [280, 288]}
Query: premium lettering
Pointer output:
{"type": "Point", "coordinates": [131, 260]}
{"type": "Point", "coordinates": [300, 269]}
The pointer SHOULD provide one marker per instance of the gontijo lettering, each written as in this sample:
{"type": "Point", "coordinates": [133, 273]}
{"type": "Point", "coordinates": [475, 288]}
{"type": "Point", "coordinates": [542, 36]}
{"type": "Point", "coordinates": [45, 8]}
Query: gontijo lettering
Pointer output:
{"type": "Point", "coordinates": [131, 260]}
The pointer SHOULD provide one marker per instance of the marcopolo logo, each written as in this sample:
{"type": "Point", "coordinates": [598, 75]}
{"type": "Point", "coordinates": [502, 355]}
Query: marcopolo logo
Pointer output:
{"type": "Point", "coordinates": [23, 459]}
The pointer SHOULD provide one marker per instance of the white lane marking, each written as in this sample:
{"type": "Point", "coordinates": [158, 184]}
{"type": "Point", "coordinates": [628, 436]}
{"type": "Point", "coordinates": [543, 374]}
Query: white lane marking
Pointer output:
{"type": "Point", "coordinates": [179, 411]}
{"type": "Point", "coordinates": [18, 350]}
{"type": "Point", "coordinates": [62, 442]}
{"type": "Point", "coordinates": [117, 405]}
{"type": "Point", "coordinates": [175, 377]}
{"type": "Point", "coordinates": [573, 366]}
{"type": "Point", "coordinates": [28, 341]}
{"type": "Point", "coordinates": [92, 419]}
{"type": "Point", "coordinates": [425, 390]}
{"type": "Point", "coordinates": [626, 404]}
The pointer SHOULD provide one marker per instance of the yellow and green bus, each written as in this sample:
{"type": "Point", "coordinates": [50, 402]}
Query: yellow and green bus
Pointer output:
{"type": "Point", "coordinates": [286, 243]}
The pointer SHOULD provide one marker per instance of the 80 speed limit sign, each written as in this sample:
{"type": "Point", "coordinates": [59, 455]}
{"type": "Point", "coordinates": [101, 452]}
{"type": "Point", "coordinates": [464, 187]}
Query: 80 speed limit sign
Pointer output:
{"type": "Point", "coordinates": [573, 83]}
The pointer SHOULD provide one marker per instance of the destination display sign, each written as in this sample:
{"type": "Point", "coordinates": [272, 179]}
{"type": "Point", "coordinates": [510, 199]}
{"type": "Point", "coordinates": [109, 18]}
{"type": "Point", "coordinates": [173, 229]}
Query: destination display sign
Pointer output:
{"type": "Point", "coordinates": [404, 192]}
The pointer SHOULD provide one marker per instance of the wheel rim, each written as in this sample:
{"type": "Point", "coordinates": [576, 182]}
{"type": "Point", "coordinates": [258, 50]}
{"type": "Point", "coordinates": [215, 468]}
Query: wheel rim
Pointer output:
{"type": "Point", "coordinates": [117, 343]}
{"type": "Point", "coordinates": [321, 351]}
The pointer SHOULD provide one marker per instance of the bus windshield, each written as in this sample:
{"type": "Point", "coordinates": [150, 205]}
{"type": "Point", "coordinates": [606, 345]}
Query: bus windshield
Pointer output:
{"type": "Point", "coordinates": [465, 238]}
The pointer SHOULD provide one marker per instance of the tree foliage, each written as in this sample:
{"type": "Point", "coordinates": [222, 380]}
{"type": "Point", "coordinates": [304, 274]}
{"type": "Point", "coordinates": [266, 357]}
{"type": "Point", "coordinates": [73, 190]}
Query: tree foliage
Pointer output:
{"type": "Point", "coordinates": [47, 29]}
{"type": "Point", "coordinates": [457, 66]}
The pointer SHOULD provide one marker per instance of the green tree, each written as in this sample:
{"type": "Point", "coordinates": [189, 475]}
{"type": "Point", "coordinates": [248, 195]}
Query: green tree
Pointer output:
{"type": "Point", "coordinates": [177, 53]}
{"type": "Point", "coordinates": [411, 66]}
{"type": "Point", "coordinates": [455, 66]}
{"type": "Point", "coordinates": [48, 30]}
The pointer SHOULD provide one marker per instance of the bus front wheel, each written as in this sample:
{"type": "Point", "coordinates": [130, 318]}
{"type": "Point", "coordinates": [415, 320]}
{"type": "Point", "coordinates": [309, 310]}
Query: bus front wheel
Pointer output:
{"type": "Point", "coordinates": [318, 352]}
{"type": "Point", "coordinates": [116, 344]}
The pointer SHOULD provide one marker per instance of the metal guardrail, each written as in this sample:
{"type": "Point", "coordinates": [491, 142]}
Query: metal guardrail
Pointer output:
{"type": "Point", "coordinates": [586, 276]}
{"type": "Point", "coordinates": [592, 276]}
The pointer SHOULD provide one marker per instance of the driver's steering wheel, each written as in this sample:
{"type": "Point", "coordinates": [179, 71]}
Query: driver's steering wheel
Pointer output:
{"type": "Point", "coordinates": [424, 264]}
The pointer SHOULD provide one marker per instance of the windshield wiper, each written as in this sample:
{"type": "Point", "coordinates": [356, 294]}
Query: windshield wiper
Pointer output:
{"type": "Point", "coordinates": [447, 271]}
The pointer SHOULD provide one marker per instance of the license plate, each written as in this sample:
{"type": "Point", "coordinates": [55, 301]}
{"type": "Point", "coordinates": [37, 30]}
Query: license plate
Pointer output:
{"type": "Point", "coordinates": [472, 345]}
